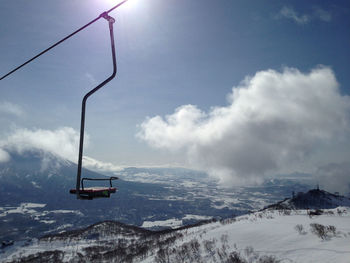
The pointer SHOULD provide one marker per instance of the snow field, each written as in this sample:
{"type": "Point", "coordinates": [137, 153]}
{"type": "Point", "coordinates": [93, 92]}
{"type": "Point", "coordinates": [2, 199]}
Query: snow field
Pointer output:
{"type": "Point", "coordinates": [275, 234]}
{"type": "Point", "coordinates": [253, 236]}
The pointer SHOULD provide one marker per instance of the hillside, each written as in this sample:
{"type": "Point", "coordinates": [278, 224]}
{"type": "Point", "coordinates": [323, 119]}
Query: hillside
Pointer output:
{"type": "Point", "coordinates": [265, 236]}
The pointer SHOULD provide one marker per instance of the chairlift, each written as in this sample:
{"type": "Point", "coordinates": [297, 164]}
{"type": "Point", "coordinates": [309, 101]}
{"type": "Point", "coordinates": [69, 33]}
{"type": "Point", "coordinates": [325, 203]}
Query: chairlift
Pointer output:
{"type": "Point", "coordinates": [94, 192]}
{"type": "Point", "coordinates": [87, 193]}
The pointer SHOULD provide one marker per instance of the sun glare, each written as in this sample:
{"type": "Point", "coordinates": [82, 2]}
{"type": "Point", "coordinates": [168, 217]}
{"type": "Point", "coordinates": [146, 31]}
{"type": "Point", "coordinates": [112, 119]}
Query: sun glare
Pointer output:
{"type": "Point", "coordinates": [132, 4]}
{"type": "Point", "coordinates": [129, 4]}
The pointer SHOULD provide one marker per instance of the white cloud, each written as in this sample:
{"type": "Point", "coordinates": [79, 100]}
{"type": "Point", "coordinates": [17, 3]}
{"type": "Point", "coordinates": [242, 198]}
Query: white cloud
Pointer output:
{"type": "Point", "coordinates": [4, 156]}
{"type": "Point", "coordinates": [290, 13]}
{"type": "Point", "coordinates": [274, 120]}
{"type": "Point", "coordinates": [96, 165]}
{"type": "Point", "coordinates": [10, 108]}
{"type": "Point", "coordinates": [63, 141]}
{"type": "Point", "coordinates": [335, 177]}
{"type": "Point", "coordinates": [301, 19]}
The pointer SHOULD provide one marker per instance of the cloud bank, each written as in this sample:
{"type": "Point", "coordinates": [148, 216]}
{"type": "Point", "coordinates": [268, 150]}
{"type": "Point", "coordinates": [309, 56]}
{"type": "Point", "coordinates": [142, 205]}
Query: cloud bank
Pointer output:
{"type": "Point", "coordinates": [273, 120]}
{"type": "Point", "coordinates": [63, 142]}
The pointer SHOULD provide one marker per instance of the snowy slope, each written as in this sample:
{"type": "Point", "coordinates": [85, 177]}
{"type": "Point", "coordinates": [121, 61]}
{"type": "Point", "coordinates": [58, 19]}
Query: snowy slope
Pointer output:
{"type": "Point", "coordinates": [265, 236]}
{"type": "Point", "coordinates": [274, 233]}
{"type": "Point", "coordinates": [269, 235]}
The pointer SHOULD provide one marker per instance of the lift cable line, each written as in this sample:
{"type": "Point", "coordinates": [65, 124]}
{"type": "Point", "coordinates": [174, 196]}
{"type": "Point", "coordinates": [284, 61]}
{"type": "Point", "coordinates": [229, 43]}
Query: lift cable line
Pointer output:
{"type": "Point", "coordinates": [91, 192]}
{"type": "Point", "coordinates": [62, 40]}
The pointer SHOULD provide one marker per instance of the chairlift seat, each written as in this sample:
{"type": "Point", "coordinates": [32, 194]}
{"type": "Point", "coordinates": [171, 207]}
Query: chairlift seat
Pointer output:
{"type": "Point", "coordinates": [95, 192]}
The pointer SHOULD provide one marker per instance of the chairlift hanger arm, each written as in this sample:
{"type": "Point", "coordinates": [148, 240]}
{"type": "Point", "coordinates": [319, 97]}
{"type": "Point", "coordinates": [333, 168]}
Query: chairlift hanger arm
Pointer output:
{"type": "Point", "coordinates": [104, 14]}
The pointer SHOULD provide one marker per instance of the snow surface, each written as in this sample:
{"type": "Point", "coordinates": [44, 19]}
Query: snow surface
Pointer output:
{"type": "Point", "coordinates": [35, 211]}
{"type": "Point", "coordinates": [48, 221]}
{"type": "Point", "coordinates": [274, 233]}
{"type": "Point", "coordinates": [196, 217]}
{"type": "Point", "coordinates": [173, 223]}
{"type": "Point", "coordinates": [23, 208]}
{"type": "Point", "coordinates": [264, 233]}
{"type": "Point", "coordinates": [61, 211]}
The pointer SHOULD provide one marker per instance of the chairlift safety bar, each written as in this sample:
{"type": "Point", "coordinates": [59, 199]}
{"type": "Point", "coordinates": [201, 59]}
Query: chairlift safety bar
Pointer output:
{"type": "Point", "coordinates": [98, 179]}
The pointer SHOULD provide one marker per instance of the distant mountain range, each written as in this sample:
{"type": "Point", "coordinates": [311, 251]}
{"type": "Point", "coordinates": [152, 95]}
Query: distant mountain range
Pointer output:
{"type": "Point", "coordinates": [35, 199]}
{"type": "Point", "coordinates": [275, 234]}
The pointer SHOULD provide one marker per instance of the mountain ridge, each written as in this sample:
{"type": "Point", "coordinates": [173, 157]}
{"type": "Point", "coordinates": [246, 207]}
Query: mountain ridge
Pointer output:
{"type": "Point", "coordinates": [313, 199]}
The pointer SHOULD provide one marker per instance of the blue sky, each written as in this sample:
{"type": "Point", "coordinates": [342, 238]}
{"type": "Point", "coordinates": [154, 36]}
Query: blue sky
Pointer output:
{"type": "Point", "coordinates": [170, 54]}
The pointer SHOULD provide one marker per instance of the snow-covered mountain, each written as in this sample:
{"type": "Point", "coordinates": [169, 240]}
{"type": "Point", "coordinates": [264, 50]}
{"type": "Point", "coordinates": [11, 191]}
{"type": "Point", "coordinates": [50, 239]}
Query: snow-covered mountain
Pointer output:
{"type": "Point", "coordinates": [34, 203]}
{"type": "Point", "coordinates": [266, 236]}
{"type": "Point", "coordinates": [313, 199]}
{"type": "Point", "coordinates": [35, 199]}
